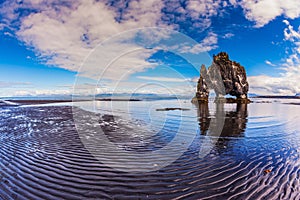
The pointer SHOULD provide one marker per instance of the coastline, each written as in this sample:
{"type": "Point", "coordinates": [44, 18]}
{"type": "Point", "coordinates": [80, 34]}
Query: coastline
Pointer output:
{"type": "Point", "coordinates": [276, 97]}
{"type": "Point", "coordinates": [21, 102]}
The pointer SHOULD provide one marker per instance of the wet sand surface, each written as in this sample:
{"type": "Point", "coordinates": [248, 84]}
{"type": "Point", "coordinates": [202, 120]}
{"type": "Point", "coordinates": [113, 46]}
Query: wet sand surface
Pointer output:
{"type": "Point", "coordinates": [35, 102]}
{"type": "Point", "coordinates": [42, 157]}
{"type": "Point", "coordinates": [42, 101]}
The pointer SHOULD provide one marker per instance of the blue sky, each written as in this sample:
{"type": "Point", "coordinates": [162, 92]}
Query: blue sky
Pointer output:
{"type": "Point", "coordinates": [47, 46]}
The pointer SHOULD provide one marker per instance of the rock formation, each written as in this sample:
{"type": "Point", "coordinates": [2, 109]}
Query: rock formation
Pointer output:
{"type": "Point", "coordinates": [202, 86]}
{"type": "Point", "coordinates": [225, 77]}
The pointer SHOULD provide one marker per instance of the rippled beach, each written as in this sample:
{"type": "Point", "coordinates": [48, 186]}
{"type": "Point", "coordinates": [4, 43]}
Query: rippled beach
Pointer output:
{"type": "Point", "coordinates": [57, 152]}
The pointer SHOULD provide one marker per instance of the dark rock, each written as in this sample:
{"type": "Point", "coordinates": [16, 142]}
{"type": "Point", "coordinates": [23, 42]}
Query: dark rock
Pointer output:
{"type": "Point", "coordinates": [232, 100]}
{"type": "Point", "coordinates": [168, 109]}
{"type": "Point", "coordinates": [108, 118]}
{"type": "Point", "coordinates": [202, 87]}
{"type": "Point", "coordinates": [225, 77]}
{"type": "Point", "coordinates": [233, 75]}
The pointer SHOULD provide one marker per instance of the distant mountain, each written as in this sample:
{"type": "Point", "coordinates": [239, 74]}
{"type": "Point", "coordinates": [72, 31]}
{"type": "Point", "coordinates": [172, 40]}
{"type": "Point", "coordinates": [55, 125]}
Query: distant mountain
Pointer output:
{"type": "Point", "coordinates": [140, 96]}
{"type": "Point", "coordinates": [120, 96]}
{"type": "Point", "coordinates": [278, 97]}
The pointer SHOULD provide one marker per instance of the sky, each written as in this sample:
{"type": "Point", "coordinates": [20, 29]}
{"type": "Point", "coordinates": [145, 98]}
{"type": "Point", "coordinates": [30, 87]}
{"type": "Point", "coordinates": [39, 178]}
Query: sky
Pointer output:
{"type": "Point", "coordinates": [51, 47]}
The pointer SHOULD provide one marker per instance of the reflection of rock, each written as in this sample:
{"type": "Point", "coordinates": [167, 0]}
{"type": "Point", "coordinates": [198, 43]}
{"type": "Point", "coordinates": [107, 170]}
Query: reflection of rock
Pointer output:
{"type": "Point", "coordinates": [235, 121]}
{"type": "Point", "coordinates": [225, 77]}
{"type": "Point", "coordinates": [203, 117]}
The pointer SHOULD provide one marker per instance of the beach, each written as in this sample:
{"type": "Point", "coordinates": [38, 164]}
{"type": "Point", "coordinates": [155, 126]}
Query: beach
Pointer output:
{"type": "Point", "coordinates": [44, 157]}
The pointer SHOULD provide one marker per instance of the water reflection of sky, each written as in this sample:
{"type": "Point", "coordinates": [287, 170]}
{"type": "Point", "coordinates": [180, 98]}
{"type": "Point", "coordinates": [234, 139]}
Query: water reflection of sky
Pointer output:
{"type": "Point", "coordinates": [255, 121]}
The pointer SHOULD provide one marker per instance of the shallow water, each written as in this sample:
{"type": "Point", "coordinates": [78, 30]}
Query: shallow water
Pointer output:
{"type": "Point", "coordinates": [176, 154]}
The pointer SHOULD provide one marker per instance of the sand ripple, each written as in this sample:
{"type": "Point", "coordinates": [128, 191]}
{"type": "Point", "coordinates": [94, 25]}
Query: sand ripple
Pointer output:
{"type": "Point", "coordinates": [42, 157]}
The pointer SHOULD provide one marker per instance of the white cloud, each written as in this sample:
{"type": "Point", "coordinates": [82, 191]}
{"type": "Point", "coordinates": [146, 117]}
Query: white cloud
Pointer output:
{"type": "Point", "coordinates": [195, 79]}
{"type": "Point", "coordinates": [163, 89]}
{"type": "Point", "coordinates": [264, 11]}
{"type": "Point", "coordinates": [228, 35]}
{"type": "Point", "coordinates": [133, 60]}
{"type": "Point", "coordinates": [64, 33]}
{"type": "Point", "coordinates": [195, 13]}
{"type": "Point", "coordinates": [290, 34]}
{"type": "Point", "coordinates": [162, 86]}
{"type": "Point", "coordinates": [2, 26]}
{"type": "Point", "coordinates": [266, 85]}
{"type": "Point", "coordinates": [40, 92]}
{"type": "Point", "coordinates": [205, 8]}
{"type": "Point", "coordinates": [143, 13]}
{"type": "Point", "coordinates": [288, 81]}
{"type": "Point", "coordinates": [163, 79]}
{"type": "Point", "coordinates": [207, 44]}
{"type": "Point", "coordinates": [286, 22]}
{"type": "Point", "coordinates": [68, 30]}
{"type": "Point", "coordinates": [64, 37]}
{"type": "Point", "coordinates": [270, 63]}
{"type": "Point", "coordinates": [4, 84]}
{"type": "Point", "coordinates": [233, 2]}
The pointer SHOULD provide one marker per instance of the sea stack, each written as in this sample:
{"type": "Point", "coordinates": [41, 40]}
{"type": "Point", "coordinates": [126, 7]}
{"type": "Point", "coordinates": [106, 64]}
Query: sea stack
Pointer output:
{"type": "Point", "coordinates": [202, 87]}
{"type": "Point", "coordinates": [224, 77]}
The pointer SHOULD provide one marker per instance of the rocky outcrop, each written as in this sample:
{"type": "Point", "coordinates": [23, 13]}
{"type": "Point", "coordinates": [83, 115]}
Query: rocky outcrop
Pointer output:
{"type": "Point", "coordinates": [233, 76]}
{"type": "Point", "coordinates": [202, 87]}
{"type": "Point", "coordinates": [225, 77]}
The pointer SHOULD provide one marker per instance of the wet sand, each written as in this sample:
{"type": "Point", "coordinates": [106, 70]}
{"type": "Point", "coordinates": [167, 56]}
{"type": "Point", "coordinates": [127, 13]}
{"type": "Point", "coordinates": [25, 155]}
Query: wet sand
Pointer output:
{"type": "Point", "coordinates": [42, 157]}
{"type": "Point", "coordinates": [35, 102]}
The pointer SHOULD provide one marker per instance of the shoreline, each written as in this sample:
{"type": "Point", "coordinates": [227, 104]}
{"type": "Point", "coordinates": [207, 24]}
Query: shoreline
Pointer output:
{"type": "Point", "coordinates": [276, 97]}
{"type": "Point", "coordinates": [21, 102]}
